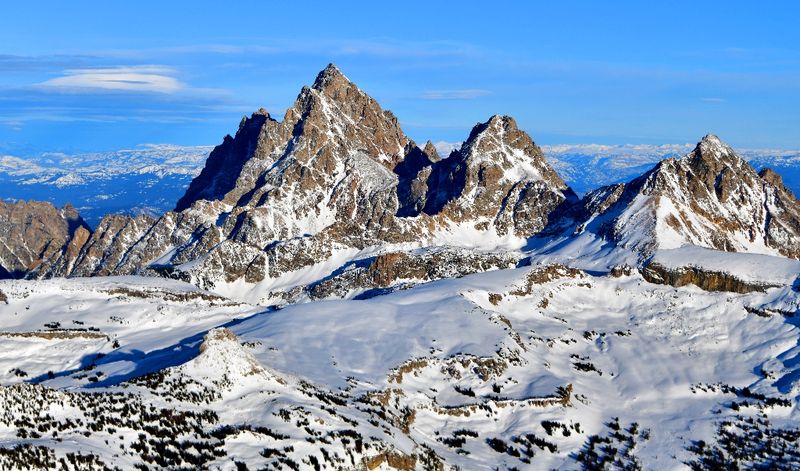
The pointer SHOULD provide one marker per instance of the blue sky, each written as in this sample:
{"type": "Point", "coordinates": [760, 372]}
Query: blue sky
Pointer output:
{"type": "Point", "coordinates": [85, 76]}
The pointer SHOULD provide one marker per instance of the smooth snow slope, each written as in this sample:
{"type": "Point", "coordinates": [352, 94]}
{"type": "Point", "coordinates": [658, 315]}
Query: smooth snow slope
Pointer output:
{"type": "Point", "coordinates": [489, 353]}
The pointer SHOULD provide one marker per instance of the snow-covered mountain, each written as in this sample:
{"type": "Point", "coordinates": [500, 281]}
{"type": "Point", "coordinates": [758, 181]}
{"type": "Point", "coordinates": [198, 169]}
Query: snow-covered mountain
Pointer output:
{"type": "Point", "coordinates": [586, 167]}
{"type": "Point", "coordinates": [150, 178]}
{"type": "Point", "coordinates": [336, 180]}
{"type": "Point", "coordinates": [326, 294]}
{"type": "Point", "coordinates": [709, 198]}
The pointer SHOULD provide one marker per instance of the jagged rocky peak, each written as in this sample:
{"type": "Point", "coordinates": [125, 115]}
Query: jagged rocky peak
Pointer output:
{"type": "Point", "coordinates": [710, 198]}
{"type": "Point", "coordinates": [324, 175]}
{"type": "Point", "coordinates": [712, 148]}
{"type": "Point", "coordinates": [330, 129]}
{"type": "Point", "coordinates": [499, 177]}
{"type": "Point", "coordinates": [716, 164]}
{"type": "Point", "coordinates": [431, 152]}
{"type": "Point", "coordinates": [331, 81]}
{"type": "Point", "coordinates": [499, 142]}
{"type": "Point", "coordinates": [772, 177]}
{"type": "Point", "coordinates": [225, 163]}
{"type": "Point", "coordinates": [413, 173]}
{"type": "Point", "coordinates": [104, 252]}
{"type": "Point", "coordinates": [334, 111]}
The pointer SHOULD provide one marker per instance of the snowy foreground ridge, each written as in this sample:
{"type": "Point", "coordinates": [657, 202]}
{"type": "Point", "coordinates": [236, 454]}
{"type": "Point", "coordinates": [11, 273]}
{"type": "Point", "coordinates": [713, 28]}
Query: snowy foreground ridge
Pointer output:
{"type": "Point", "coordinates": [329, 295]}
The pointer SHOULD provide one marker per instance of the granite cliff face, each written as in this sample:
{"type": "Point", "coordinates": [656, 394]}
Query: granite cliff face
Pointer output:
{"type": "Point", "coordinates": [39, 239]}
{"type": "Point", "coordinates": [336, 175]}
{"type": "Point", "coordinates": [222, 167]}
{"type": "Point", "coordinates": [498, 178]}
{"type": "Point", "coordinates": [337, 181]}
{"type": "Point", "coordinates": [709, 198]}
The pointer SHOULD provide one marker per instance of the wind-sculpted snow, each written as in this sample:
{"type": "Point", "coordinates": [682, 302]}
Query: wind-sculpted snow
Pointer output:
{"type": "Point", "coordinates": [529, 368]}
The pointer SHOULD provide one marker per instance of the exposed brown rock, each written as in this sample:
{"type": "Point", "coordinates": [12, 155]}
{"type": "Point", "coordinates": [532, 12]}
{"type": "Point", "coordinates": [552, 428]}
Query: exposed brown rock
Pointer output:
{"type": "Point", "coordinates": [104, 251]}
{"type": "Point", "coordinates": [703, 279]}
{"type": "Point", "coordinates": [545, 274]}
{"type": "Point", "coordinates": [710, 198]}
{"type": "Point", "coordinates": [495, 299]}
{"type": "Point", "coordinates": [56, 334]}
{"type": "Point", "coordinates": [500, 178]}
{"type": "Point", "coordinates": [394, 460]}
{"type": "Point", "coordinates": [562, 398]}
{"type": "Point", "coordinates": [485, 368]}
{"type": "Point", "coordinates": [431, 152]}
{"type": "Point", "coordinates": [38, 238]}
{"type": "Point", "coordinates": [221, 170]}
{"type": "Point", "coordinates": [181, 297]}
{"type": "Point", "coordinates": [389, 269]}
{"type": "Point", "coordinates": [406, 368]}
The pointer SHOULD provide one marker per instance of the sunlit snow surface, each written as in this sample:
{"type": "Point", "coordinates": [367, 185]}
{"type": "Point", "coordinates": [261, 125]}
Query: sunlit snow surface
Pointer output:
{"type": "Point", "coordinates": [453, 367]}
{"type": "Point", "coordinates": [648, 347]}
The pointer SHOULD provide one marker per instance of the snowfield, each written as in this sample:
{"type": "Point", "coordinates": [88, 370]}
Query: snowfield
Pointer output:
{"type": "Point", "coordinates": [522, 368]}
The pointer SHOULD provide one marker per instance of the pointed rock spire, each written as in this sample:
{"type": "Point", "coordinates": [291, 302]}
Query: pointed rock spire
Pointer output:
{"type": "Point", "coordinates": [327, 76]}
{"type": "Point", "coordinates": [225, 162]}
{"type": "Point", "coordinates": [334, 114]}
{"type": "Point", "coordinates": [712, 152]}
{"type": "Point", "coordinates": [431, 152]}
{"type": "Point", "coordinates": [772, 177]}
{"type": "Point", "coordinates": [710, 198]}
{"type": "Point", "coordinates": [499, 176]}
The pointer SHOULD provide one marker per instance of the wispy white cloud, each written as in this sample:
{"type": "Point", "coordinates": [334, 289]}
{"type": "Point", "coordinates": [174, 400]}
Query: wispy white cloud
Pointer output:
{"type": "Point", "coordinates": [327, 47]}
{"type": "Point", "coordinates": [713, 100]}
{"type": "Point", "coordinates": [464, 94]}
{"type": "Point", "coordinates": [154, 79]}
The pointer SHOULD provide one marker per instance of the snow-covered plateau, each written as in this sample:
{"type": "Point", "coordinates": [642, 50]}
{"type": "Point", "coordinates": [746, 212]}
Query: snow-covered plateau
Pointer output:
{"type": "Point", "coordinates": [535, 367]}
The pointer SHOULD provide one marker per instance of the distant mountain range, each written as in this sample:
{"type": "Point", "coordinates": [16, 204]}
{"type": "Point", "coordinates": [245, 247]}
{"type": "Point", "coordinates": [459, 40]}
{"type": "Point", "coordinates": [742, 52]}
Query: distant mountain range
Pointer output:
{"type": "Point", "coordinates": [588, 166]}
{"type": "Point", "coordinates": [150, 178]}
{"type": "Point", "coordinates": [147, 179]}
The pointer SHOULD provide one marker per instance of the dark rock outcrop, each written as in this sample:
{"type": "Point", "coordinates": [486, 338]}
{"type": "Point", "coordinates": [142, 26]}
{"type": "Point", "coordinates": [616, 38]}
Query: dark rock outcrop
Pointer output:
{"type": "Point", "coordinates": [704, 279]}
{"type": "Point", "coordinates": [498, 178]}
{"type": "Point", "coordinates": [39, 239]}
{"type": "Point", "coordinates": [403, 269]}
{"type": "Point", "coordinates": [413, 173]}
{"type": "Point", "coordinates": [223, 165]}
